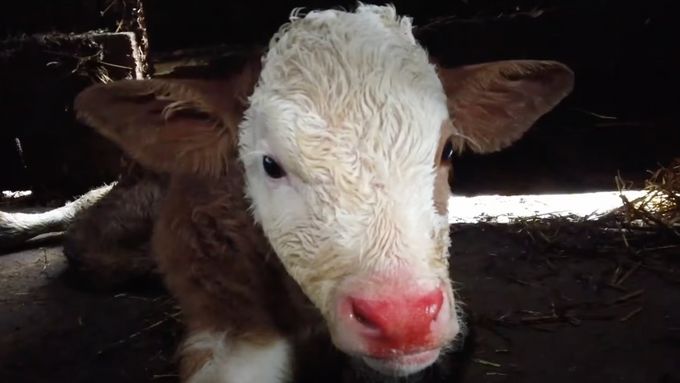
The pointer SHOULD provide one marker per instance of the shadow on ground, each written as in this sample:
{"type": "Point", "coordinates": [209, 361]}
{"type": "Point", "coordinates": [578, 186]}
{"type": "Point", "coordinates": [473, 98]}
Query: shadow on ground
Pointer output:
{"type": "Point", "coordinates": [540, 313]}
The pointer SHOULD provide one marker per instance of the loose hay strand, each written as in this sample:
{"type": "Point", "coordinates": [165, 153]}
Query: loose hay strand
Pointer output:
{"type": "Point", "coordinates": [660, 206]}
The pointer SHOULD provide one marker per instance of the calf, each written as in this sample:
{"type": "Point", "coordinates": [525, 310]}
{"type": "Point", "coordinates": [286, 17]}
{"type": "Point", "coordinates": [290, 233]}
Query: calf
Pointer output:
{"type": "Point", "coordinates": [308, 191]}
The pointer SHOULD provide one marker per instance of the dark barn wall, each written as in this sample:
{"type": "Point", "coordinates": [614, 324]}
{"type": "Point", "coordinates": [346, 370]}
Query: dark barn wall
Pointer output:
{"type": "Point", "coordinates": [67, 16]}
{"type": "Point", "coordinates": [40, 76]}
{"type": "Point", "coordinates": [625, 55]}
{"type": "Point", "coordinates": [49, 51]}
{"type": "Point", "coordinates": [626, 59]}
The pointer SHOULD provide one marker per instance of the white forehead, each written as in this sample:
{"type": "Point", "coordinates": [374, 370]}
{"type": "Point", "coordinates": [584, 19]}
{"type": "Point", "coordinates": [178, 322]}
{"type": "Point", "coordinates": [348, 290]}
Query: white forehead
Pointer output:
{"type": "Point", "coordinates": [340, 92]}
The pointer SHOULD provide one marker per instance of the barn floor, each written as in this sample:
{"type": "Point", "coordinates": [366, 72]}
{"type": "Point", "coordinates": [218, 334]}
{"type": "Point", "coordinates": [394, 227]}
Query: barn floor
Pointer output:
{"type": "Point", "coordinates": [542, 312]}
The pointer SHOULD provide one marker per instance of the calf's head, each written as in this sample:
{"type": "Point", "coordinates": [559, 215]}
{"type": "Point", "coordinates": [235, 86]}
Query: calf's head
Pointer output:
{"type": "Point", "coordinates": [345, 130]}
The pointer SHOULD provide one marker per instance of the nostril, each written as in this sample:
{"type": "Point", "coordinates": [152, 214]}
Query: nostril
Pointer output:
{"type": "Point", "coordinates": [433, 303]}
{"type": "Point", "coordinates": [432, 311]}
{"type": "Point", "coordinates": [362, 319]}
{"type": "Point", "coordinates": [364, 315]}
{"type": "Point", "coordinates": [434, 307]}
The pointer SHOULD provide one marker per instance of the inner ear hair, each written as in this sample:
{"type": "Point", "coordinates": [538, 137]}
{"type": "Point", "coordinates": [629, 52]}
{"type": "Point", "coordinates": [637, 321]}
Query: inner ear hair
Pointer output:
{"type": "Point", "coordinates": [493, 104]}
{"type": "Point", "coordinates": [175, 124]}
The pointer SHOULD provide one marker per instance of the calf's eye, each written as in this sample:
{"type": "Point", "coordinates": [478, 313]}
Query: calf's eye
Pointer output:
{"type": "Point", "coordinates": [272, 169]}
{"type": "Point", "coordinates": [447, 153]}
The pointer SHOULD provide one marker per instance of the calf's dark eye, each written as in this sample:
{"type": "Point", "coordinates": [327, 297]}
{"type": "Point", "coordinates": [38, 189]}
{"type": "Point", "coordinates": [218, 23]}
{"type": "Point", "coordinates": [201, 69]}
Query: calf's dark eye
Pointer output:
{"type": "Point", "coordinates": [272, 169]}
{"type": "Point", "coordinates": [447, 153]}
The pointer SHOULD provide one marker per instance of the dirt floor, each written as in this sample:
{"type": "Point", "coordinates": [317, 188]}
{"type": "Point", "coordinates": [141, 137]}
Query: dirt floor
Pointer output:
{"type": "Point", "coordinates": [542, 302]}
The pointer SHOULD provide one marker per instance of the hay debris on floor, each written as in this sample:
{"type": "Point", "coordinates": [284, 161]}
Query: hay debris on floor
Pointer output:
{"type": "Point", "coordinates": [659, 207]}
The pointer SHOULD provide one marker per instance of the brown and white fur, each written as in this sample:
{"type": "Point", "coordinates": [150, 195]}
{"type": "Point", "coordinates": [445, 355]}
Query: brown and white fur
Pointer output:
{"type": "Point", "coordinates": [349, 235]}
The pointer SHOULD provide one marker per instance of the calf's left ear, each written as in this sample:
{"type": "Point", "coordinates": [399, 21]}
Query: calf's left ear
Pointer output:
{"type": "Point", "coordinates": [493, 104]}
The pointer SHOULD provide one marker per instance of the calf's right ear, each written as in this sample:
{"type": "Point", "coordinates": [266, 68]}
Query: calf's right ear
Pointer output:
{"type": "Point", "coordinates": [172, 125]}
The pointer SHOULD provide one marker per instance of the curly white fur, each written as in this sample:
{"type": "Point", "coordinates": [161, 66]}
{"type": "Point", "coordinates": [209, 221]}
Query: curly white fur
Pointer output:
{"type": "Point", "coordinates": [349, 105]}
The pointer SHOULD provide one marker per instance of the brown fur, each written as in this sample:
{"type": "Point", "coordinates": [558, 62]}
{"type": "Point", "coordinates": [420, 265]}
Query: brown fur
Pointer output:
{"type": "Point", "coordinates": [215, 259]}
{"type": "Point", "coordinates": [218, 264]}
{"type": "Point", "coordinates": [108, 243]}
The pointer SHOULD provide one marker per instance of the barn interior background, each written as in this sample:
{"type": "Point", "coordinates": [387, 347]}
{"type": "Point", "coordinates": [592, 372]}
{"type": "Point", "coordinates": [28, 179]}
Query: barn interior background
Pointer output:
{"type": "Point", "coordinates": [560, 299]}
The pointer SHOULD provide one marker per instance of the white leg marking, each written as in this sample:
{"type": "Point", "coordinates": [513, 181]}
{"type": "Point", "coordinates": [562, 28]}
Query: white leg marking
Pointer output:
{"type": "Point", "coordinates": [239, 361]}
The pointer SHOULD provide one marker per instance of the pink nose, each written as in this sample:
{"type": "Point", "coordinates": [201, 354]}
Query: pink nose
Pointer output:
{"type": "Point", "coordinates": [400, 323]}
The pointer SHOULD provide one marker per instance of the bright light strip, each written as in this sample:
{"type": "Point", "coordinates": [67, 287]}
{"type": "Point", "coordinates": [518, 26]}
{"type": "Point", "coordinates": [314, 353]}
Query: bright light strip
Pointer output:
{"type": "Point", "coordinates": [505, 209]}
{"type": "Point", "coordinates": [16, 194]}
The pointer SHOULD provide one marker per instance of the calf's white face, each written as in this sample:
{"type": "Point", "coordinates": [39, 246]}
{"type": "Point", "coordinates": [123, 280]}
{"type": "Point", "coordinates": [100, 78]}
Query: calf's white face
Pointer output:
{"type": "Point", "coordinates": [346, 141]}
{"type": "Point", "coordinates": [341, 144]}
